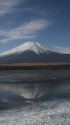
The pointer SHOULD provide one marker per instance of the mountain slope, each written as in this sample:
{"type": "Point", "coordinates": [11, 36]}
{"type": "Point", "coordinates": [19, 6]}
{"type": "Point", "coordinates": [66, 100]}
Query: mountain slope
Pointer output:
{"type": "Point", "coordinates": [31, 46]}
{"type": "Point", "coordinates": [32, 52]}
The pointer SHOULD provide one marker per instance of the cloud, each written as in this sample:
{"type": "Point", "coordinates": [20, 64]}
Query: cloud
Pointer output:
{"type": "Point", "coordinates": [4, 40]}
{"type": "Point", "coordinates": [7, 6]}
{"type": "Point", "coordinates": [65, 50]}
{"type": "Point", "coordinates": [25, 31]}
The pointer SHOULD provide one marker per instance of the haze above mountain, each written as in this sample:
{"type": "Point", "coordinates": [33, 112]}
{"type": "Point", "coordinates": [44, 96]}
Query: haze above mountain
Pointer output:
{"type": "Point", "coordinates": [32, 52]}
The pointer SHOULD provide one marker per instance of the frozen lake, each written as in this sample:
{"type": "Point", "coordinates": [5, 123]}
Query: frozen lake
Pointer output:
{"type": "Point", "coordinates": [52, 112]}
{"type": "Point", "coordinates": [35, 97]}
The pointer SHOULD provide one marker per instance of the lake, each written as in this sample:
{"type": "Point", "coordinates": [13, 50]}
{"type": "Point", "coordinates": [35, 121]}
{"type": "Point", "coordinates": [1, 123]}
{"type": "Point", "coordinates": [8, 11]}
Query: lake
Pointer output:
{"type": "Point", "coordinates": [40, 97]}
{"type": "Point", "coordinates": [25, 87]}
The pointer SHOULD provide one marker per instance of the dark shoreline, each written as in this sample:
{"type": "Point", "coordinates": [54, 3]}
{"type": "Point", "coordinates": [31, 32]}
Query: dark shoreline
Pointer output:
{"type": "Point", "coordinates": [36, 67]}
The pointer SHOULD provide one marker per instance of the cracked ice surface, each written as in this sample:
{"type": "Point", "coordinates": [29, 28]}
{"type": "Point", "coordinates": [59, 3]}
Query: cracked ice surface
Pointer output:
{"type": "Point", "coordinates": [53, 112]}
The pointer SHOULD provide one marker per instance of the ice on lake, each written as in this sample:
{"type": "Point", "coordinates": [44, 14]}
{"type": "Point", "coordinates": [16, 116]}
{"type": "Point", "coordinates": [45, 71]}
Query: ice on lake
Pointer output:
{"type": "Point", "coordinates": [50, 88]}
{"type": "Point", "coordinates": [52, 112]}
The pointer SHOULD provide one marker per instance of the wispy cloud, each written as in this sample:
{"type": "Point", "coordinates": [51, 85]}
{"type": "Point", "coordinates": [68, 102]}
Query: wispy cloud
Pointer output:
{"type": "Point", "coordinates": [25, 31]}
{"type": "Point", "coordinates": [7, 6]}
{"type": "Point", "coordinates": [65, 50]}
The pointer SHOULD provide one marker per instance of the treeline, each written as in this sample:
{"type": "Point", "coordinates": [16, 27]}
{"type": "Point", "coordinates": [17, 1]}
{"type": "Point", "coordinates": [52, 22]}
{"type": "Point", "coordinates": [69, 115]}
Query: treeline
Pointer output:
{"type": "Point", "coordinates": [36, 67]}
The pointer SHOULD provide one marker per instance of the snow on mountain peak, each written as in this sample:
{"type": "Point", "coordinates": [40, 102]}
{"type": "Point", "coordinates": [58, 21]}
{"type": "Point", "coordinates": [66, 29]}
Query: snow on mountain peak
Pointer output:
{"type": "Point", "coordinates": [31, 46]}
{"type": "Point", "coordinates": [34, 46]}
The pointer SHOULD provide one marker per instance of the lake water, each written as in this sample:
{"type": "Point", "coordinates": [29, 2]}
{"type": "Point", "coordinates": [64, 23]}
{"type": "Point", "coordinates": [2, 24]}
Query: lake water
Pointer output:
{"type": "Point", "coordinates": [19, 88]}
{"type": "Point", "coordinates": [35, 97]}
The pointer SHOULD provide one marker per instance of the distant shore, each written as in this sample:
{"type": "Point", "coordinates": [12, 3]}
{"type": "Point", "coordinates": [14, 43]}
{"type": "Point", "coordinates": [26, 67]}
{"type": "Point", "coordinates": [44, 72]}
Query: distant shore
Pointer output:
{"type": "Point", "coordinates": [36, 66]}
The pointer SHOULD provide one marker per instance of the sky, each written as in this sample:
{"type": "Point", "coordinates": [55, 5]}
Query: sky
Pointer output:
{"type": "Point", "coordinates": [43, 21]}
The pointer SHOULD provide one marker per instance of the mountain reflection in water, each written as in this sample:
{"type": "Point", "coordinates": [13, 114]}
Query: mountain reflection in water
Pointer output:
{"type": "Point", "coordinates": [20, 86]}
{"type": "Point", "coordinates": [34, 91]}
{"type": "Point", "coordinates": [29, 91]}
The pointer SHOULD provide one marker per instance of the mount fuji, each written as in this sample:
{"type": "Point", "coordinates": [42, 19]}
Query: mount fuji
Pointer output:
{"type": "Point", "coordinates": [32, 52]}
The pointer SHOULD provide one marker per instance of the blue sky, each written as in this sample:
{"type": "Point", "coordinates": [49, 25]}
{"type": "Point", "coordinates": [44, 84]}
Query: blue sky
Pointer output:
{"type": "Point", "coordinates": [44, 21]}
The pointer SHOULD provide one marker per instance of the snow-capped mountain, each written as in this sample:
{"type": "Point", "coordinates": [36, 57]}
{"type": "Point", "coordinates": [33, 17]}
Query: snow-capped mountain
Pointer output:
{"type": "Point", "coordinates": [28, 46]}
{"type": "Point", "coordinates": [32, 52]}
